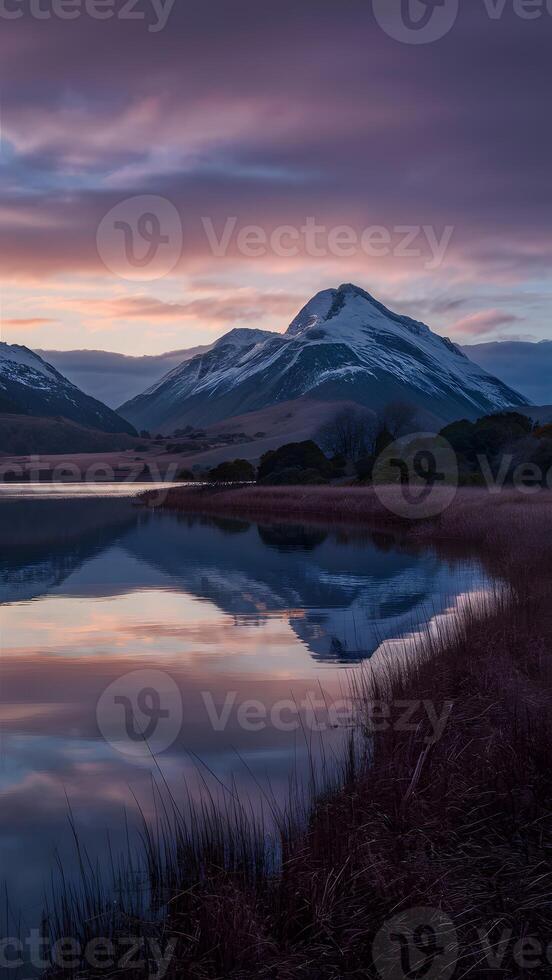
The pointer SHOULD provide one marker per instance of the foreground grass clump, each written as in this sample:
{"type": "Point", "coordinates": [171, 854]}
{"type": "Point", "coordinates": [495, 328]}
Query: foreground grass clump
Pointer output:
{"type": "Point", "coordinates": [462, 824]}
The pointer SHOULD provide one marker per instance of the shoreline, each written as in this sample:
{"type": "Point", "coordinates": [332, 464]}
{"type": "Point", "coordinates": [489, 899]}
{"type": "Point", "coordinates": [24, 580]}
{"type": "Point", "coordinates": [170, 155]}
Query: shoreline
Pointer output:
{"type": "Point", "coordinates": [342, 504]}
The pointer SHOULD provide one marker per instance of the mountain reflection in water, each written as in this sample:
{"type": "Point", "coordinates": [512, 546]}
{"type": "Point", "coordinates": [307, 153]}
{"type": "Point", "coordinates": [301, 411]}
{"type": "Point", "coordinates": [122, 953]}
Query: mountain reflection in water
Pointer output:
{"type": "Point", "coordinates": [343, 592]}
{"type": "Point", "coordinates": [93, 589]}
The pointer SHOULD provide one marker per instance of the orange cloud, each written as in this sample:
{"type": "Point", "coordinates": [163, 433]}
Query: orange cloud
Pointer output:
{"type": "Point", "coordinates": [28, 322]}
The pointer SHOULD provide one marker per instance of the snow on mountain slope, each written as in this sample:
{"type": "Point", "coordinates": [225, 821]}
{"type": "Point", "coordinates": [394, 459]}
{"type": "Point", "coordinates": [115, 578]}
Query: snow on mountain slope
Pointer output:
{"type": "Point", "coordinates": [342, 603]}
{"type": "Point", "coordinates": [30, 386]}
{"type": "Point", "coordinates": [343, 345]}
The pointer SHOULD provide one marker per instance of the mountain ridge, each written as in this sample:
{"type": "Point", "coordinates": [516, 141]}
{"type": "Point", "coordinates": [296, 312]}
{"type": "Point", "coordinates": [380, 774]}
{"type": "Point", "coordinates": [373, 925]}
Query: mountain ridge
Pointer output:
{"type": "Point", "coordinates": [526, 365]}
{"type": "Point", "coordinates": [342, 345]}
{"type": "Point", "coordinates": [113, 378]}
{"type": "Point", "coordinates": [30, 386]}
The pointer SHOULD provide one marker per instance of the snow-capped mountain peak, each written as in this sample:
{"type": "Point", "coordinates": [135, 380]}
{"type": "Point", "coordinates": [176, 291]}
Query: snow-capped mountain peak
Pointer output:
{"type": "Point", "coordinates": [15, 359]}
{"type": "Point", "coordinates": [314, 313]}
{"type": "Point", "coordinates": [31, 386]}
{"type": "Point", "coordinates": [350, 310]}
{"type": "Point", "coordinates": [344, 345]}
{"type": "Point", "coordinates": [243, 337]}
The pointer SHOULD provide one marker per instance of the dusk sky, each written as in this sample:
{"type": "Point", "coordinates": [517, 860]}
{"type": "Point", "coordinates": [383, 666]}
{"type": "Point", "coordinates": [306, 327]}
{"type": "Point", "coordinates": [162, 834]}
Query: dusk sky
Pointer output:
{"type": "Point", "coordinates": [286, 117]}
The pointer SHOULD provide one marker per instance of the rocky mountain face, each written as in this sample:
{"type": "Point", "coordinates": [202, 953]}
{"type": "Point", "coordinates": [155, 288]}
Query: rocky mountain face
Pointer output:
{"type": "Point", "coordinates": [31, 386]}
{"type": "Point", "coordinates": [343, 346]}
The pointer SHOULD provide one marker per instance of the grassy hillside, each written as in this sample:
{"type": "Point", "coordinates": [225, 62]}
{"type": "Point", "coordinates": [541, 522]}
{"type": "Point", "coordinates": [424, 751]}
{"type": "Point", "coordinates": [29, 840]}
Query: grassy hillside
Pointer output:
{"type": "Point", "coordinates": [23, 435]}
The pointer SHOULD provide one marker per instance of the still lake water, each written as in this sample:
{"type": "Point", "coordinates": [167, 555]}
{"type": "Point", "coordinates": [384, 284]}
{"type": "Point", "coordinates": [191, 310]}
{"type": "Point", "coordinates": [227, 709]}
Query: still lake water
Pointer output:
{"type": "Point", "coordinates": [107, 608]}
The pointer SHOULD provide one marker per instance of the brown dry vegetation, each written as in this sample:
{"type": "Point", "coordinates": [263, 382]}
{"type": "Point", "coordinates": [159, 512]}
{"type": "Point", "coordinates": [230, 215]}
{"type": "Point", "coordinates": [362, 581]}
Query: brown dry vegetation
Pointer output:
{"type": "Point", "coordinates": [348, 505]}
{"type": "Point", "coordinates": [463, 825]}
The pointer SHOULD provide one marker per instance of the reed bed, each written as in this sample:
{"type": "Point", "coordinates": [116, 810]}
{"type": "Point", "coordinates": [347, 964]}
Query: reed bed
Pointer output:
{"type": "Point", "coordinates": [344, 504]}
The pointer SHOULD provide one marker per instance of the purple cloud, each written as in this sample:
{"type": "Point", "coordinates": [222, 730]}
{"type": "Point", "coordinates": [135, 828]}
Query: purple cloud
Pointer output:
{"type": "Point", "coordinates": [275, 114]}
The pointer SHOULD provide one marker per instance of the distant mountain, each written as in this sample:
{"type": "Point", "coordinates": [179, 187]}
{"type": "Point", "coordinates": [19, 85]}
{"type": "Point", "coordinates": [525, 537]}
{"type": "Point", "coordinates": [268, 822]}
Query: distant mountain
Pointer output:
{"type": "Point", "coordinates": [30, 386]}
{"type": "Point", "coordinates": [525, 366]}
{"type": "Point", "coordinates": [115, 378]}
{"type": "Point", "coordinates": [343, 346]}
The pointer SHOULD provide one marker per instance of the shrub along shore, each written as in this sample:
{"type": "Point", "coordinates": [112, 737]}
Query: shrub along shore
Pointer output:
{"type": "Point", "coordinates": [462, 825]}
